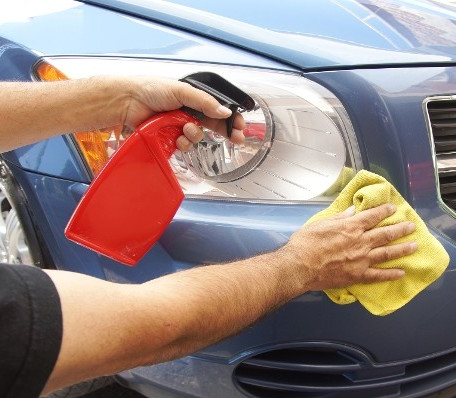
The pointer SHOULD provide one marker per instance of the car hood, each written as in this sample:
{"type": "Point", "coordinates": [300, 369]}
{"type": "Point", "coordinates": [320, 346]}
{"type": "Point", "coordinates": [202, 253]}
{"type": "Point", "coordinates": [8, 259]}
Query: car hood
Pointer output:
{"type": "Point", "coordinates": [314, 34]}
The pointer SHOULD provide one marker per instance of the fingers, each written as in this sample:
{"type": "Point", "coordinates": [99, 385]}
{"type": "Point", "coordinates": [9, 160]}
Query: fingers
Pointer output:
{"type": "Point", "coordinates": [183, 144]}
{"type": "Point", "coordinates": [383, 235]}
{"type": "Point", "coordinates": [366, 220]}
{"type": "Point", "coordinates": [215, 112]}
{"type": "Point", "coordinates": [370, 218]}
{"type": "Point", "coordinates": [346, 213]}
{"type": "Point", "coordinates": [392, 252]}
{"type": "Point", "coordinates": [237, 136]}
{"type": "Point", "coordinates": [215, 115]}
{"type": "Point", "coordinates": [219, 126]}
{"type": "Point", "coordinates": [384, 254]}
{"type": "Point", "coordinates": [379, 238]}
{"type": "Point", "coordinates": [239, 122]}
{"type": "Point", "coordinates": [192, 135]}
{"type": "Point", "coordinates": [201, 101]}
{"type": "Point", "coordinates": [373, 275]}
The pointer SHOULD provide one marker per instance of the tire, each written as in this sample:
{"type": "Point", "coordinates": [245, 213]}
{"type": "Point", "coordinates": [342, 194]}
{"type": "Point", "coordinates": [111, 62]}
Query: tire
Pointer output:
{"type": "Point", "coordinates": [19, 240]}
{"type": "Point", "coordinates": [81, 389]}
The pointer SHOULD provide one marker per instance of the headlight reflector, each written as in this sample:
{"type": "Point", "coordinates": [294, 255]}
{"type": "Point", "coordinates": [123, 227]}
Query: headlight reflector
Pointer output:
{"type": "Point", "coordinates": [217, 159]}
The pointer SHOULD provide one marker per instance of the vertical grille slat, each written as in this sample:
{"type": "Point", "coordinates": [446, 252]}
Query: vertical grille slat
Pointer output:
{"type": "Point", "coordinates": [442, 118]}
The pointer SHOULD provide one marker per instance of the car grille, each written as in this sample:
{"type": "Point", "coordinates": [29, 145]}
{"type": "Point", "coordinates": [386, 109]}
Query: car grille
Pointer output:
{"type": "Point", "coordinates": [338, 371]}
{"type": "Point", "coordinates": [442, 119]}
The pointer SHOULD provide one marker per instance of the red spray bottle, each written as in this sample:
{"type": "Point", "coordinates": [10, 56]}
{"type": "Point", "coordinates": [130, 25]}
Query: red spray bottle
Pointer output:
{"type": "Point", "coordinates": [139, 174]}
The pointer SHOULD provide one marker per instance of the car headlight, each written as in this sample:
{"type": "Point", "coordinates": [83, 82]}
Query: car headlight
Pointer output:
{"type": "Point", "coordinates": [299, 145]}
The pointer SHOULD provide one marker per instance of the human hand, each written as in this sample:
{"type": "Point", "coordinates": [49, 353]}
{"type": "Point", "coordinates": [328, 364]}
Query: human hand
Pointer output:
{"type": "Point", "coordinates": [148, 97]}
{"type": "Point", "coordinates": [344, 249]}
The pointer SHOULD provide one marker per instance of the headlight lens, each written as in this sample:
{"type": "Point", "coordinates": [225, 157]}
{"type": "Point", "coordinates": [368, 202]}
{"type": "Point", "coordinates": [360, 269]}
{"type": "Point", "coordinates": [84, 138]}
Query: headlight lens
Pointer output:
{"type": "Point", "coordinates": [299, 145]}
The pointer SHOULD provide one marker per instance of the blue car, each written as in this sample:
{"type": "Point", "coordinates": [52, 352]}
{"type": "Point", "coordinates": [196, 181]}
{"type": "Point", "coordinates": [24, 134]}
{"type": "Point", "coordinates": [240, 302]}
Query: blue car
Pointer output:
{"type": "Point", "coordinates": [339, 86]}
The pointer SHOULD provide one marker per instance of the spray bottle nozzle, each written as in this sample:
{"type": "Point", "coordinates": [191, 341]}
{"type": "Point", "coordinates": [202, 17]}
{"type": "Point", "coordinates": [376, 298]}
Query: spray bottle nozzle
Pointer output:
{"type": "Point", "coordinates": [223, 91]}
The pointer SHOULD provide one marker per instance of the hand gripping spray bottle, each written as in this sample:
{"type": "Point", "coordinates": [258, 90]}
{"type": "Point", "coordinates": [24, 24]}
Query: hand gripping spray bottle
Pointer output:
{"type": "Point", "coordinates": [139, 174]}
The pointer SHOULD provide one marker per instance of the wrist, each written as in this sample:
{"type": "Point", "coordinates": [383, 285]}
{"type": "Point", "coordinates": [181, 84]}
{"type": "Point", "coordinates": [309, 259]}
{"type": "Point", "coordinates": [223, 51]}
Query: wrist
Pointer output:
{"type": "Point", "coordinates": [112, 96]}
{"type": "Point", "coordinates": [287, 268]}
{"type": "Point", "coordinates": [297, 268]}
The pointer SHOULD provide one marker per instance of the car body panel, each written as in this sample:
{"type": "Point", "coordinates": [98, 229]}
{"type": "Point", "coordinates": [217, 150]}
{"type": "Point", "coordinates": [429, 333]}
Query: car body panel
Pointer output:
{"type": "Point", "coordinates": [75, 29]}
{"type": "Point", "coordinates": [316, 33]}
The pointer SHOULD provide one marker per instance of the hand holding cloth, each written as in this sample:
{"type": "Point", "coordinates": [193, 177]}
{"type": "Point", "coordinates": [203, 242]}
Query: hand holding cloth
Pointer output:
{"type": "Point", "coordinates": [424, 266]}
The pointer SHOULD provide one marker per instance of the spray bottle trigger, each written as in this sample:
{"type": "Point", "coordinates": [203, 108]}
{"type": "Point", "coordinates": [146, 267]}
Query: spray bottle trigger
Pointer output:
{"type": "Point", "coordinates": [230, 121]}
{"type": "Point", "coordinates": [223, 91]}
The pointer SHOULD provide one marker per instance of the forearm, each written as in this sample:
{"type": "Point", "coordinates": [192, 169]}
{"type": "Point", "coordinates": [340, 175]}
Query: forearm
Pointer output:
{"type": "Point", "coordinates": [214, 302]}
{"type": "Point", "coordinates": [33, 111]}
{"type": "Point", "coordinates": [163, 319]}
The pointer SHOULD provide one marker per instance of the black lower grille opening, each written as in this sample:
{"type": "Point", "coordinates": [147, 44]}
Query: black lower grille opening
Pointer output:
{"type": "Point", "coordinates": [252, 374]}
{"type": "Point", "coordinates": [253, 391]}
{"type": "Point", "coordinates": [340, 372]}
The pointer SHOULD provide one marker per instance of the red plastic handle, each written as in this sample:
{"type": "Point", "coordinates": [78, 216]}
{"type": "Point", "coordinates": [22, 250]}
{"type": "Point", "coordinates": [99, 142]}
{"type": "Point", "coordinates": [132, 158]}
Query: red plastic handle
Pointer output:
{"type": "Point", "coordinates": [162, 131]}
{"type": "Point", "coordinates": [133, 199]}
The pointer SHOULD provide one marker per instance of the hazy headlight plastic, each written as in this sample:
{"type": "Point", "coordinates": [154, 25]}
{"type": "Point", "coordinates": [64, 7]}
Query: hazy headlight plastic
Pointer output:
{"type": "Point", "coordinates": [299, 144]}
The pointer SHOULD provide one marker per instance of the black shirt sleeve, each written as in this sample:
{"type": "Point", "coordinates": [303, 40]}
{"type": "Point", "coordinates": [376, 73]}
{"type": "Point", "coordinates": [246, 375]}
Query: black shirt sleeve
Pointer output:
{"type": "Point", "coordinates": [30, 330]}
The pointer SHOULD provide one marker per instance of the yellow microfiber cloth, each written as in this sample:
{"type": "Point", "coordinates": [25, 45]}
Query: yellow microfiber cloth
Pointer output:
{"type": "Point", "coordinates": [421, 268]}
